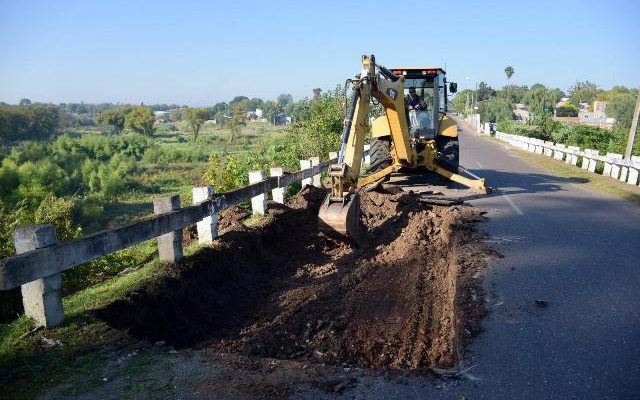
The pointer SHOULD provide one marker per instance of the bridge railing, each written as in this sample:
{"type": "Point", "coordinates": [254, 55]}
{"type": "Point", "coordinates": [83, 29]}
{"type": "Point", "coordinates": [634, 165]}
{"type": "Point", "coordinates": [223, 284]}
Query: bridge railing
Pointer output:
{"type": "Point", "coordinates": [611, 164]}
{"type": "Point", "coordinates": [40, 258]}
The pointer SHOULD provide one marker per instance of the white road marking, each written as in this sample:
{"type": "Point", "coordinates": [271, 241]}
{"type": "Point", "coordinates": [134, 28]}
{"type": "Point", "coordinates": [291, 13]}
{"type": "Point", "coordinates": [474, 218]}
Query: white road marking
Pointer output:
{"type": "Point", "coordinates": [512, 204]}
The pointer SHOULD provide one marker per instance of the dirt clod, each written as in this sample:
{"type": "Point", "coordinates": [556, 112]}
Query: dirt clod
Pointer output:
{"type": "Point", "coordinates": [409, 298]}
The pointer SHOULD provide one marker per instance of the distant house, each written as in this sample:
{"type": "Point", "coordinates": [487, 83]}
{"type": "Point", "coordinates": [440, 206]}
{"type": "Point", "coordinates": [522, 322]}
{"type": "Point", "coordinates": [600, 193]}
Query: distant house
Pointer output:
{"type": "Point", "coordinates": [256, 115]}
{"type": "Point", "coordinates": [597, 117]}
{"type": "Point", "coordinates": [162, 116]}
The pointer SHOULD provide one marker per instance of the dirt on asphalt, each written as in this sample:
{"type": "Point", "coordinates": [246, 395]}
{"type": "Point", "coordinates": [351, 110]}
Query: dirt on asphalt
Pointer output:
{"type": "Point", "coordinates": [408, 298]}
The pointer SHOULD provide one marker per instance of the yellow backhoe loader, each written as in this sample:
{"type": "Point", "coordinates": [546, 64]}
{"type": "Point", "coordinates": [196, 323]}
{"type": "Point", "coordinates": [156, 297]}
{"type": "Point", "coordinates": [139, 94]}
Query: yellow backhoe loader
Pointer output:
{"type": "Point", "coordinates": [420, 137]}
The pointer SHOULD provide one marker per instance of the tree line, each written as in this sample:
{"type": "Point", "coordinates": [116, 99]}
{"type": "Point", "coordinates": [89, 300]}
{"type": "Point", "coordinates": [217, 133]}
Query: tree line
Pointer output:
{"type": "Point", "coordinates": [542, 103]}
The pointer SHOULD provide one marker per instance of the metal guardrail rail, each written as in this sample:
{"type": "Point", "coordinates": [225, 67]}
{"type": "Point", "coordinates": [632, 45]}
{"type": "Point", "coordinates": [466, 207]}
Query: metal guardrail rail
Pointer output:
{"type": "Point", "coordinates": [40, 259]}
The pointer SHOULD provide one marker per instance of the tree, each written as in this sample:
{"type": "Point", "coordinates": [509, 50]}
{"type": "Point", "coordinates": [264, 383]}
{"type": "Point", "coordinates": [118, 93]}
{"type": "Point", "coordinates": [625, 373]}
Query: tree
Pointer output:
{"type": "Point", "coordinates": [568, 109]}
{"type": "Point", "coordinates": [177, 115]}
{"type": "Point", "coordinates": [509, 71]}
{"type": "Point", "coordinates": [620, 105]}
{"type": "Point", "coordinates": [541, 100]}
{"type": "Point", "coordinates": [584, 92]}
{"type": "Point", "coordinates": [238, 99]}
{"type": "Point", "coordinates": [497, 109]}
{"type": "Point", "coordinates": [484, 92]}
{"type": "Point", "coordinates": [462, 99]}
{"type": "Point", "coordinates": [271, 109]}
{"type": "Point", "coordinates": [140, 120]}
{"type": "Point", "coordinates": [238, 118]}
{"type": "Point", "coordinates": [195, 117]}
{"type": "Point", "coordinates": [284, 99]}
{"type": "Point", "coordinates": [317, 94]}
{"type": "Point", "coordinates": [114, 117]}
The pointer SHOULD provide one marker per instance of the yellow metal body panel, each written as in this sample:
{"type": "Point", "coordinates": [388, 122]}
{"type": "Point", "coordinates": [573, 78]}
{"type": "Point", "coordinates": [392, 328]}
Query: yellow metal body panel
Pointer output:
{"type": "Point", "coordinates": [380, 127]}
{"type": "Point", "coordinates": [391, 96]}
{"type": "Point", "coordinates": [448, 127]}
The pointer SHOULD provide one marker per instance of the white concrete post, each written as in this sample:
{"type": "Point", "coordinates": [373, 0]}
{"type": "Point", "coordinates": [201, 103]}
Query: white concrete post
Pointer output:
{"type": "Point", "coordinates": [592, 161]}
{"type": "Point", "coordinates": [585, 159]}
{"type": "Point", "coordinates": [208, 227]}
{"type": "Point", "coordinates": [547, 151]}
{"type": "Point", "coordinates": [558, 153]}
{"type": "Point", "coordinates": [169, 244]}
{"type": "Point", "coordinates": [632, 179]}
{"type": "Point", "coordinates": [624, 171]}
{"type": "Point", "coordinates": [277, 193]}
{"type": "Point", "coordinates": [539, 148]}
{"type": "Point", "coordinates": [305, 164]}
{"type": "Point", "coordinates": [42, 298]}
{"type": "Point", "coordinates": [259, 202]}
{"type": "Point", "coordinates": [317, 179]}
{"type": "Point", "coordinates": [367, 158]}
{"type": "Point", "coordinates": [573, 157]}
{"type": "Point", "coordinates": [333, 155]}
{"type": "Point", "coordinates": [615, 168]}
{"type": "Point", "coordinates": [607, 165]}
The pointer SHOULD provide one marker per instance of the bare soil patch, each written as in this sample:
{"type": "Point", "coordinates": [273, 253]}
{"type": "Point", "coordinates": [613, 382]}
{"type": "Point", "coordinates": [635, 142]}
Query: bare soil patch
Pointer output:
{"type": "Point", "coordinates": [407, 299]}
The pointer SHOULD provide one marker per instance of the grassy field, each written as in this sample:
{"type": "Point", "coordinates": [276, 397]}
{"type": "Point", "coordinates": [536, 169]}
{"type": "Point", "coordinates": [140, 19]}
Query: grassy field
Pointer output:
{"type": "Point", "coordinates": [164, 178]}
{"type": "Point", "coordinates": [75, 353]}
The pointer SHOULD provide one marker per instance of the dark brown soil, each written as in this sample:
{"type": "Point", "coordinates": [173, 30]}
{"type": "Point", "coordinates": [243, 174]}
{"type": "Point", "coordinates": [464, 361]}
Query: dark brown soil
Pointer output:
{"type": "Point", "coordinates": [407, 299]}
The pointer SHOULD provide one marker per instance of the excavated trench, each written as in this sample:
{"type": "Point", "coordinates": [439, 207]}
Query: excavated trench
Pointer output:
{"type": "Point", "coordinates": [409, 298]}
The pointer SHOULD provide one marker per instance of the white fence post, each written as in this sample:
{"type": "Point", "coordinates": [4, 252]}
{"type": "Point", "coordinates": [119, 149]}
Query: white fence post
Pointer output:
{"type": "Point", "coordinates": [169, 244]}
{"type": "Point", "coordinates": [615, 168]}
{"type": "Point", "coordinates": [208, 227]}
{"type": "Point", "coordinates": [277, 193]}
{"type": "Point", "coordinates": [607, 165]}
{"type": "Point", "coordinates": [558, 152]}
{"type": "Point", "coordinates": [42, 298]}
{"type": "Point", "coordinates": [585, 159]}
{"type": "Point", "coordinates": [572, 158]}
{"type": "Point", "coordinates": [593, 162]}
{"type": "Point", "coordinates": [259, 202]}
{"type": "Point", "coordinates": [305, 164]}
{"type": "Point", "coordinates": [367, 158]}
{"type": "Point", "coordinates": [317, 178]}
{"type": "Point", "coordinates": [632, 179]}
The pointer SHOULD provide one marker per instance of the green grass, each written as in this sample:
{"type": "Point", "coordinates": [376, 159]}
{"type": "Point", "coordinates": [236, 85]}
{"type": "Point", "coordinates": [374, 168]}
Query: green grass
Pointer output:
{"type": "Point", "coordinates": [27, 368]}
{"type": "Point", "coordinates": [591, 180]}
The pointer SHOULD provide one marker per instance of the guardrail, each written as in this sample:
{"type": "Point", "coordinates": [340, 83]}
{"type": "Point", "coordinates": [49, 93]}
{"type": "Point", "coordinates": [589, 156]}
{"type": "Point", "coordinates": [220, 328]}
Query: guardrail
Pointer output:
{"type": "Point", "coordinates": [40, 259]}
{"type": "Point", "coordinates": [613, 165]}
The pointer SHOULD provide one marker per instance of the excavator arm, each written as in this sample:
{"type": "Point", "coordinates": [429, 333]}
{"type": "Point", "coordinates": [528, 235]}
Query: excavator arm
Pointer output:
{"type": "Point", "coordinates": [340, 211]}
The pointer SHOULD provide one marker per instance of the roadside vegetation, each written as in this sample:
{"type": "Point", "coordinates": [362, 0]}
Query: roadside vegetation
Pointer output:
{"type": "Point", "coordinates": [88, 167]}
{"type": "Point", "coordinates": [498, 105]}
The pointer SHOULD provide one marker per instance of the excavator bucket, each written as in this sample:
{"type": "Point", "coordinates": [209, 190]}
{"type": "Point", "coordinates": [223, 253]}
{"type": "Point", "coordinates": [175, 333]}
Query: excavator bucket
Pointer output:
{"type": "Point", "coordinates": [342, 217]}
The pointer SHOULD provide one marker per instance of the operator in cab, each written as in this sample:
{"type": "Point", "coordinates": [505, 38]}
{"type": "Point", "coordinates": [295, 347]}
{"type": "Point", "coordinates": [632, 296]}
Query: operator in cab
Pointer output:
{"type": "Point", "coordinates": [415, 102]}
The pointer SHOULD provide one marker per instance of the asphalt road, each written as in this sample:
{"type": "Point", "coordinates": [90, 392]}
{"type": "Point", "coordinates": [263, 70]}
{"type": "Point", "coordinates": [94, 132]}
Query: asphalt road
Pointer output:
{"type": "Point", "coordinates": [576, 249]}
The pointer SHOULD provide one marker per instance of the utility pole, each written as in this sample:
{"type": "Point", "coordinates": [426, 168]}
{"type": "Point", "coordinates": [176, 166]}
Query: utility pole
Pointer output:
{"type": "Point", "coordinates": [632, 131]}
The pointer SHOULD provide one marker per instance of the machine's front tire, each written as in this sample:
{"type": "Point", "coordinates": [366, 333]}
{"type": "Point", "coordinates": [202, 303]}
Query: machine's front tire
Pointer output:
{"type": "Point", "coordinates": [380, 154]}
{"type": "Point", "coordinates": [450, 151]}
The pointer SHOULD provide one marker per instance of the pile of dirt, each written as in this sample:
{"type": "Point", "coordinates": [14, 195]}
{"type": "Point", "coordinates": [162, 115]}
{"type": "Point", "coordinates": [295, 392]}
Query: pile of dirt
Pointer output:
{"type": "Point", "coordinates": [407, 298]}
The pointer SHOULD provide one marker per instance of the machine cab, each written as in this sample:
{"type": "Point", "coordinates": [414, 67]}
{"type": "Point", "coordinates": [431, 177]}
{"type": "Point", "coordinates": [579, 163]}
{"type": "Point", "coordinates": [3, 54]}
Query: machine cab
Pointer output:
{"type": "Point", "coordinates": [430, 85]}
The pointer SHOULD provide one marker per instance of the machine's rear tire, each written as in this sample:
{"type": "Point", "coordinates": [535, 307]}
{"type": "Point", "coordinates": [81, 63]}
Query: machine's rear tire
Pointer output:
{"type": "Point", "coordinates": [450, 151]}
{"type": "Point", "coordinates": [380, 154]}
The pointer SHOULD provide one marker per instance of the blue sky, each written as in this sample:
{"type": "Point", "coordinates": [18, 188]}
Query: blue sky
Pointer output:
{"type": "Point", "coordinates": [202, 52]}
